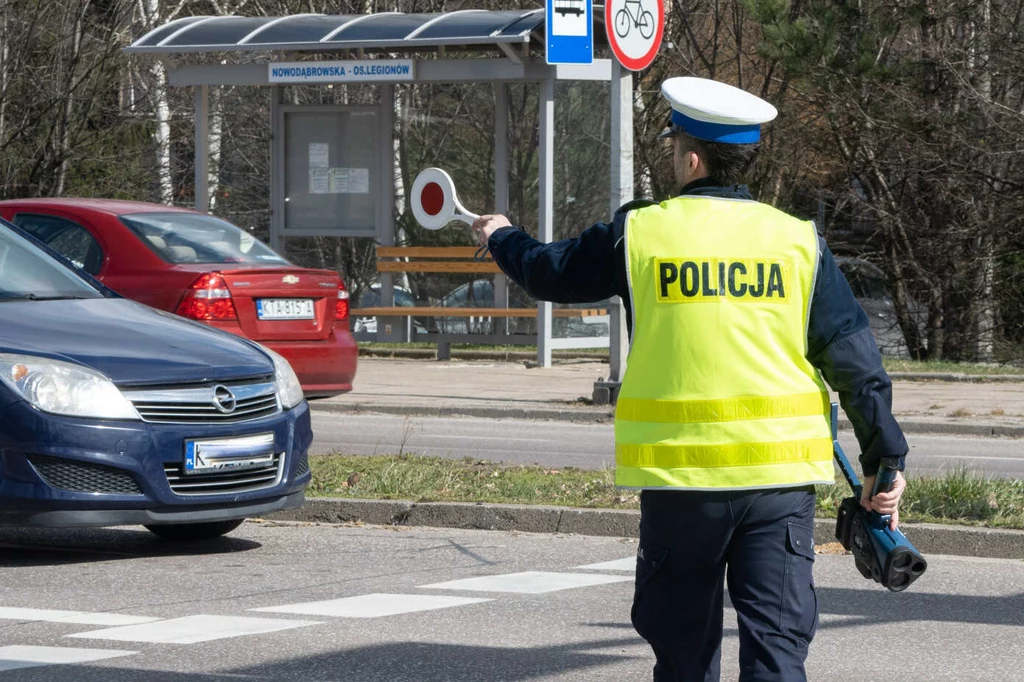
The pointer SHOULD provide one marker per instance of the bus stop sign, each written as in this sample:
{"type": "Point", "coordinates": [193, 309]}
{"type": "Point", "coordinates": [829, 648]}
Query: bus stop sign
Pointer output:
{"type": "Point", "coordinates": [634, 30]}
{"type": "Point", "coordinates": [570, 31]}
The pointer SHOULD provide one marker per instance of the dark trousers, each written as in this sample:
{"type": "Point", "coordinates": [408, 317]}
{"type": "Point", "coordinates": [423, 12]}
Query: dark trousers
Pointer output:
{"type": "Point", "coordinates": [762, 542]}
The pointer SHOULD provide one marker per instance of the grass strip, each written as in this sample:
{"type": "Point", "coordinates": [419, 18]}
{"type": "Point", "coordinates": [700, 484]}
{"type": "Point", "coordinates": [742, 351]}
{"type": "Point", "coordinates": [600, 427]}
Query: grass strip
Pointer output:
{"type": "Point", "coordinates": [945, 367]}
{"type": "Point", "coordinates": [960, 497]}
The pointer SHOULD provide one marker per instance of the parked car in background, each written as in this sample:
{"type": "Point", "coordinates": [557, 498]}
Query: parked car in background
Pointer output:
{"type": "Point", "coordinates": [114, 413]}
{"type": "Point", "coordinates": [208, 270]}
{"type": "Point", "coordinates": [370, 298]}
{"type": "Point", "coordinates": [871, 288]}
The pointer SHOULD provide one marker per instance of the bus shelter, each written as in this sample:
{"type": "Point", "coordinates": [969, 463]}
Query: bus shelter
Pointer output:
{"type": "Point", "coordinates": [387, 49]}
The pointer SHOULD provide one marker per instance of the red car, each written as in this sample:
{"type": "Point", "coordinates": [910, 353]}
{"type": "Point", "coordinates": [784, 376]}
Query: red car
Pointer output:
{"type": "Point", "coordinates": [205, 269]}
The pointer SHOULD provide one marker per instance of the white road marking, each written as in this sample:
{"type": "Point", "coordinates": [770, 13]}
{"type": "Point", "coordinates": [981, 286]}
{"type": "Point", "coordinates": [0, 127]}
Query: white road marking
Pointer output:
{"type": "Point", "coordinates": [627, 564]}
{"type": "Point", "coordinates": [503, 439]}
{"type": "Point", "coordinates": [528, 582]}
{"type": "Point", "coordinates": [954, 458]}
{"type": "Point", "coordinates": [192, 629]}
{"type": "Point", "coordinates": [76, 617]}
{"type": "Point", "coordinates": [14, 657]}
{"type": "Point", "coordinates": [372, 605]}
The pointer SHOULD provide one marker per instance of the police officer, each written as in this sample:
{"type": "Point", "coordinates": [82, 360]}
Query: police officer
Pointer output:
{"type": "Point", "coordinates": [735, 310]}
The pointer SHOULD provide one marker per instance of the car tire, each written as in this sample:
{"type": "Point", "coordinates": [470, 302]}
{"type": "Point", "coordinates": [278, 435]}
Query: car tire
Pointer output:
{"type": "Point", "coordinates": [194, 531]}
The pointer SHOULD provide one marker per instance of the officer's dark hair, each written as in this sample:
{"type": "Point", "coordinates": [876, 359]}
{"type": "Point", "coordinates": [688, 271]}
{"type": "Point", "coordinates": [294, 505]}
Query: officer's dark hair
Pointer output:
{"type": "Point", "coordinates": [727, 164]}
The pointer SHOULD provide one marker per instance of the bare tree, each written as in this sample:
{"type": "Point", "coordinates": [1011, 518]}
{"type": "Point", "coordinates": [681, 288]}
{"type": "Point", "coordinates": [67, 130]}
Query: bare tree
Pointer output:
{"type": "Point", "coordinates": [151, 14]}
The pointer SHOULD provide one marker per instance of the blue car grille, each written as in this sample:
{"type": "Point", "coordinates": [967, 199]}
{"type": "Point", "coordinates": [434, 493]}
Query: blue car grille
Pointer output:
{"type": "Point", "coordinates": [84, 477]}
{"type": "Point", "coordinates": [223, 482]}
{"type": "Point", "coordinates": [214, 403]}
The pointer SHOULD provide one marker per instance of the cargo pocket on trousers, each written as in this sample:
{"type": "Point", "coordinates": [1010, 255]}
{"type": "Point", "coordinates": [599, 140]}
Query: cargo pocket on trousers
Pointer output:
{"type": "Point", "coordinates": [650, 566]}
{"type": "Point", "coordinates": [799, 613]}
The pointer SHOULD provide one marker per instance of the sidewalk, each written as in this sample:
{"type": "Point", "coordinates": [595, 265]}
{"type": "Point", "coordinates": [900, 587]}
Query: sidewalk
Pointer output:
{"type": "Point", "coordinates": [517, 389]}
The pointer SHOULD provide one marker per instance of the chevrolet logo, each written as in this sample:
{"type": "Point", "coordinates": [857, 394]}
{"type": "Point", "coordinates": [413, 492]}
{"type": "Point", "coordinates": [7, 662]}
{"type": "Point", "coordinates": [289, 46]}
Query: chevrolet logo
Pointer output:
{"type": "Point", "coordinates": [290, 279]}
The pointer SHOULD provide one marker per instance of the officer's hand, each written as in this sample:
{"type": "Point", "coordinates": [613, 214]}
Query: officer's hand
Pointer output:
{"type": "Point", "coordinates": [486, 224]}
{"type": "Point", "coordinates": [884, 503]}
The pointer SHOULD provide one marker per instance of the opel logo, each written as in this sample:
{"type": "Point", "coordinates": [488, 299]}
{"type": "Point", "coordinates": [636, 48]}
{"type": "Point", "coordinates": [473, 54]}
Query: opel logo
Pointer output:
{"type": "Point", "coordinates": [290, 279]}
{"type": "Point", "coordinates": [224, 399]}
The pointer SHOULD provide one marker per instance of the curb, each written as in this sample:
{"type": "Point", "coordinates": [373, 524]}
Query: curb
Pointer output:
{"type": "Point", "coordinates": [952, 377]}
{"type": "Point", "coordinates": [927, 537]}
{"type": "Point", "coordinates": [607, 415]}
{"type": "Point", "coordinates": [581, 414]}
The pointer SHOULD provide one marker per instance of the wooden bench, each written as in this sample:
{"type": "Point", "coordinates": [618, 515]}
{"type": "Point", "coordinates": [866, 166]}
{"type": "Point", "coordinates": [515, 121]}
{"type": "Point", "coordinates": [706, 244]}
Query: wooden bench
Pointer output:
{"type": "Point", "coordinates": [450, 259]}
{"type": "Point", "coordinates": [433, 259]}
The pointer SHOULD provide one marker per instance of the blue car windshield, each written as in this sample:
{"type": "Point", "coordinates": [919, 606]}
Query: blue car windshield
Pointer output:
{"type": "Point", "coordinates": [28, 272]}
{"type": "Point", "coordinates": [180, 237]}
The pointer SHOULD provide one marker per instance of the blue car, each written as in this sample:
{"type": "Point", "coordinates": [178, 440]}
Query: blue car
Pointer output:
{"type": "Point", "coordinates": [113, 413]}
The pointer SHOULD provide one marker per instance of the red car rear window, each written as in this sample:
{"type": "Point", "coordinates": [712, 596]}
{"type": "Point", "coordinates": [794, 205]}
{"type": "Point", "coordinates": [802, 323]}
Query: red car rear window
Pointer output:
{"type": "Point", "coordinates": [197, 238]}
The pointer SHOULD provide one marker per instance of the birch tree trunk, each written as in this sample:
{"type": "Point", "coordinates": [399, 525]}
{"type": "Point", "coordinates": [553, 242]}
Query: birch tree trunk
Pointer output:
{"type": "Point", "coordinates": [396, 172]}
{"type": "Point", "coordinates": [215, 132]}
{"type": "Point", "coordinates": [151, 18]}
{"type": "Point", "coordinates": [64, 127]}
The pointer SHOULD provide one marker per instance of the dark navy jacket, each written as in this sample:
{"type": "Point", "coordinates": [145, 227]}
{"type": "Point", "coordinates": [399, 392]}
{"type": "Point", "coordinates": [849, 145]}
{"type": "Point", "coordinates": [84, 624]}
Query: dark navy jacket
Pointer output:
{"type": "Point", "coordinates": [592, 267]}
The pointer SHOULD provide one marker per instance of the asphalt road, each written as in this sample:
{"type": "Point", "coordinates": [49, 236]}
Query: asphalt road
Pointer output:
{"type": "Point", "coordinates": [589, 446]}
{"type": "Point", "coordinates": [279, 602]}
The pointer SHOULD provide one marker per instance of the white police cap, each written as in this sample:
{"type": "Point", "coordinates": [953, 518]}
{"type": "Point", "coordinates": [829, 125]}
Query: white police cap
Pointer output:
{"type": "Point", "coordinates": [714, 111]}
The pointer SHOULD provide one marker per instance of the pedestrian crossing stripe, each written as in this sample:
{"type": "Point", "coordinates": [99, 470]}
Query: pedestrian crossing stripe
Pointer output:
{"type": "Point", "coordinates": [528, 582]}
{"type": "Point", "coordinates": [20, 656]}
{"type": "Point", "coordinates": [373, 605]}
{"type": "Point", "coordinates": [74, 617]}
{"type": "Point", "coordinates": [627, 564]}
{"type": "Point", "coordinates": [193, 629]}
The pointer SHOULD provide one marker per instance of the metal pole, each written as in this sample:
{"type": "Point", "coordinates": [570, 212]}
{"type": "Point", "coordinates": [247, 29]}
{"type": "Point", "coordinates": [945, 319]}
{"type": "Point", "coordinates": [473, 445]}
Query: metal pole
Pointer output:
{"type": "Point", "coordinates": [621, 193]}
{"type": "Point", "coordinates": [501, 186]}
{"type": "Point", "coordinates": [277, 179]}
{"type": "Point", "coordinates": [546, 207]}
{"type": "Point", "coordinates": [202, 147]}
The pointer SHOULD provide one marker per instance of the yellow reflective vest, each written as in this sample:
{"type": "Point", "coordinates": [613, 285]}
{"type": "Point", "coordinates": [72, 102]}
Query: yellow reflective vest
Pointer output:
{"type": "Point", "coordinates": [718, 393]}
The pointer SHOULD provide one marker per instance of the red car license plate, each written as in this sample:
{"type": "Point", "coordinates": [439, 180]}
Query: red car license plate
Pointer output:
{"type": "Point", "coordinates": [284, 308]}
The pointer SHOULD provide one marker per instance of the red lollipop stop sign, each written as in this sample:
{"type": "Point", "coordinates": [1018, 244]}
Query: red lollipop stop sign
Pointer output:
{"type": "Point", "coordinates": [434, 203]}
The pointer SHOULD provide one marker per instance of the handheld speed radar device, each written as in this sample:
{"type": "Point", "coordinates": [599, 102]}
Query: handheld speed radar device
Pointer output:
{"type": "Point", "coordinates": [880, 553]}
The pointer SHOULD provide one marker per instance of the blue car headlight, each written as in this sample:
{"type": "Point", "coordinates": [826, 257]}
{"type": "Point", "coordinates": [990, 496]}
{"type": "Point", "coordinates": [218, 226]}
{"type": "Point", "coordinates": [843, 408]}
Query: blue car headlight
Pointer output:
{"type": "Point", "coordinates": [289, 390]}
{"type": "Point", "coordinates": [64, 388]}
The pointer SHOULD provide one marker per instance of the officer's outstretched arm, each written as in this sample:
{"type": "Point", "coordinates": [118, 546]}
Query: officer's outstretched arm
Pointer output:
{"type": "Point", "coordinates": [577, 270]}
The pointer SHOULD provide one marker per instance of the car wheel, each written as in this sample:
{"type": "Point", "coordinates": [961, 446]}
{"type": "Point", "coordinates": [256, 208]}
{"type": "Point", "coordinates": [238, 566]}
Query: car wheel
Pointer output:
{"type": "Point", "coordinates": [194, 531]}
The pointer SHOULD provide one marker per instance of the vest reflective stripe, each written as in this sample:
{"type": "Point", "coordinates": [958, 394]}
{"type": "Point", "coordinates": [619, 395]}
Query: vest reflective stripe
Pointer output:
{"type": "Point", "coordinates": [733, 409]}
{"type": "Point", "coordinates": [718, 393]}
{"type": "Point", "coordinates": [727, 478]}
{"type": "Point", "coordinates": [723, 454]}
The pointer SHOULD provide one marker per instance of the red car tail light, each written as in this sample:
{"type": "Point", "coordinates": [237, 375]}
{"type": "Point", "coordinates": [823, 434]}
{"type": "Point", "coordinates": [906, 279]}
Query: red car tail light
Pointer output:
{"type": "Point", "coordinates": [208, 299]}
{"type": "Point", "coordinates": [341, 307]}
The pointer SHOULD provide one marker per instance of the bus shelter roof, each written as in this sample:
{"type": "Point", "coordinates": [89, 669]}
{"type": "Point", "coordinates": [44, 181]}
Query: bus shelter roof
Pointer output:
{"type": "Point", "coordinates": [331, 32]}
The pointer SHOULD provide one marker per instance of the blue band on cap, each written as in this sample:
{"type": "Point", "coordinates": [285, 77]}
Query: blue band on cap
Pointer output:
{"type": "Point", "coordinates": [717, 132]}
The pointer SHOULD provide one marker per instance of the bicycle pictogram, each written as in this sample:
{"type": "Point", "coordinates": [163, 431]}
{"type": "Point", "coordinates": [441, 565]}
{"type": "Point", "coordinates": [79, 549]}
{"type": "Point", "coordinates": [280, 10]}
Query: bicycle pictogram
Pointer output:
{"type": "Point", "coordinates": [633, 15]}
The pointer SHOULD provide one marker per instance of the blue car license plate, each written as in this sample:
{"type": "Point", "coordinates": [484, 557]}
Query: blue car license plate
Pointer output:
{"type": "Point", "coordinates": [216, 455]}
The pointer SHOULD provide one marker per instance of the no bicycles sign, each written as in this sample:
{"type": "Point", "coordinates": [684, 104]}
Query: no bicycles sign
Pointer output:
{"type": "Point", "coordinates": [634, 30]}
